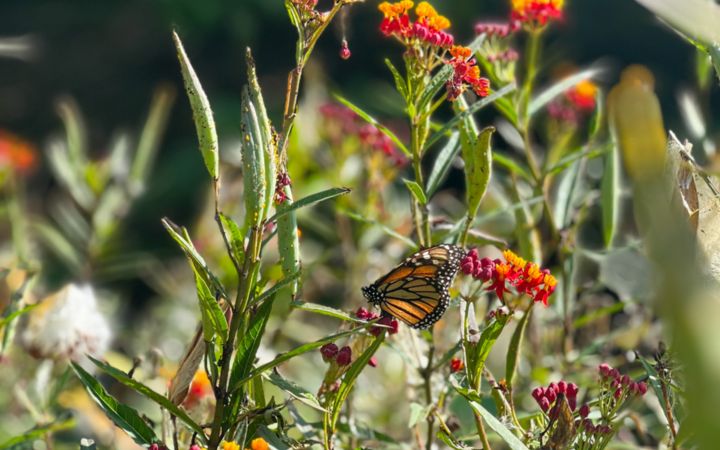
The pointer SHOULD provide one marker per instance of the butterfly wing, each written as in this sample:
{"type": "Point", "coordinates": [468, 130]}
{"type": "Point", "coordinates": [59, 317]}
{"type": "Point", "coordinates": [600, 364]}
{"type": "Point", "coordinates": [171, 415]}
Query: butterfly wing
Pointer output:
{"type": "Point", "coordinates": [418, 302]}
{"type": "Point", "coordinates": [416, 291]}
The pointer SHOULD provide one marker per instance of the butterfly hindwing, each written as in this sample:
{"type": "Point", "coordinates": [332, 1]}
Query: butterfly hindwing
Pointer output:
{"type": "Point", "coordinates": [416, 291]}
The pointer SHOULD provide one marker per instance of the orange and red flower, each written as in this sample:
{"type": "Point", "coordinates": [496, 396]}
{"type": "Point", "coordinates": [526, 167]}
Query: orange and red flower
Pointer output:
{"type": "Point", "coordinates": [427, 29]}
{"type": "Point", "coordinates": [16, 153]}
{"type": "Point", "coordinates": [465, 73]}
{"type": "Point", "coordinates": [527, 277]}
{"type": "Point", "coordinates": [535, 13]}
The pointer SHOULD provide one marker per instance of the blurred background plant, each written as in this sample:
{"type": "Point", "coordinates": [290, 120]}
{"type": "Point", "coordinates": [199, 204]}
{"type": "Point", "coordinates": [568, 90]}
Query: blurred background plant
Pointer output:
{"type": "Point", "coordinates": [90, 271]}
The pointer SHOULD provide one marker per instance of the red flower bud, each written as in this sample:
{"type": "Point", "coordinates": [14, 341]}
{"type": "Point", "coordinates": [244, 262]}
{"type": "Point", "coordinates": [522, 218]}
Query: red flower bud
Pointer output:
{"type": "Point", "coordinates": [572, 390]}
{"type": "Point", "coordinates": [584, 411]}
{"type": "Point", "coordinates": [642, 387]}
{"type": "Point", "coordinates": [388, 321]}
{"type": "Point", "coordinates": [456, 365]}
{"type": "Point", "coordinates": [550, 394]}
{"type": "Point", "coordinates": [617, 394]}
{"type": "Point", "coordinates": [625, 380]}
{"type": "Point", "coordinates": [329, 351]}
{"type": "Point", "coordinates": [561, 387]}
{"type": "Point", "coordinates": [344, 356]}
{"type": "Point", "coordinates": [538, 393]}
{"type": "Point", "coordinates": [545, 404]}
{"type": "Point", "coordinates": [372, 362]}
{"type": "Point", "coordinates": [345, 50]}
{"type": "Point", "coordinates": [362, 314]}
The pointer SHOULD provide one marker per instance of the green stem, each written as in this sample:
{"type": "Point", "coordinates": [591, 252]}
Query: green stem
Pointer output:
{"type": "Point", "coordinates": [532, 51]}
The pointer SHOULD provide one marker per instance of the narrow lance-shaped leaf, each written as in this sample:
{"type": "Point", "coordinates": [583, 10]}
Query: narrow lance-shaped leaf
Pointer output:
{"type": "Point", "coordinates": [443, 162]}
{"type": "Point", "coordinates": [125, 417]}
{"type": "Point", "coordinates": [202, 114]}
{"type": "Point", "coordinates": [249, 344]}
{"type": "Point", "coordinates": [510, 439]}
{"type": "Point", "coordinates": [610, 196]}
{"type": "Point", "coordinates": [560, 88]}
{"type": "Point", "coordinates": [351, 376]}
{"type": "Point", "coordinates": [326, 311]}
{"type": "Point", "coordinates": [309, 200]}
{"type": "Point", "coordinates": [213, 318]}
{"type": "Point", "coordinates": [416, 191]}
{"type": "Point", "coordinates": [37, 433]}
{"type": "Point", "coordinates": [297, 392]}
{"type": "Point", "coordinates": [514, 349]}
{"type": "Point", "coordinates": [400, 84]}
{"type": "Point", "coordinates": [145, 391]}
{"type": "Point", "coordinates": [372, 121]}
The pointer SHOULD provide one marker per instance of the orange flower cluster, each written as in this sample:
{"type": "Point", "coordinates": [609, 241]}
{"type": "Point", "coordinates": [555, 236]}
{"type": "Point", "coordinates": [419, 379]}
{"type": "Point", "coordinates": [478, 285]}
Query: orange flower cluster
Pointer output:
{"type": "Point", "coordinates": [200, 387]}
{"type": "Point", "coordinates": [583, 95]}
{"type": "Point", "coordinates": [465, 73]}
{"type": "Point", "coordinates": [525, 276]}
{"type": "Point", "coordinates": [577, 102]}
{"type": "Point", "coordinates": [536, 13]}
{"type": "Point", "coordinates": [427, 29]}
{"type": "Point", "coordinates": [16, 153]}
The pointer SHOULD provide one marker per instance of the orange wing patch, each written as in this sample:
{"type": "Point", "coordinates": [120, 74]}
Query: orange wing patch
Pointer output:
{"type": "Point", "coordinates": [427, 271]}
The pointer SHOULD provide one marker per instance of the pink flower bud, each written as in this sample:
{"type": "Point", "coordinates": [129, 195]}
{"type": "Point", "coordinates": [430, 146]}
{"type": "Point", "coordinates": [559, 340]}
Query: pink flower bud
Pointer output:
{"type": "Point", "coordinates": [387, 321]}
{"type": "Point", "coordinates": [345, 50]}
{"type": "Point", "coordinates": [538, 393]}
{"type": "Point", "coordinates": [329, 351]}
{"type": "Point", "coordinates": [617, 394]}
{"type": "Point", "coordinates": [550, 394]}
{"type": "Point", "coordinates": [372, 362]}
{"type": "Point", "coordinates": [572, 390]}
{"type": "Point", "coordinates": [362, 314]}
{"type": "Point", "coordinates": [614, 373]}
{"type": "Point", "coordinates": [561, 387]}
{"type": "Point", "coordinates": [344, 356]}
{"type": "Point", "coordinates": [642, 387]}
{"type": "Point", "coordinates": [584, 411]}
{"type": "Point", "coordinates": [545, 404]}
{"type": "Point", "coordinates": [553, 386]}
{"type": "Point", "coordinates": [467, 265]}
{"type": "Point", "coordinates": [625, 380]}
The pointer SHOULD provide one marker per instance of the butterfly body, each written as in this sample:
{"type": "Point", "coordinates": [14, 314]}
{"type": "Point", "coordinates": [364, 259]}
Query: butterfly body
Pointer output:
{"type": "Point", "coordinates": [416, 291]}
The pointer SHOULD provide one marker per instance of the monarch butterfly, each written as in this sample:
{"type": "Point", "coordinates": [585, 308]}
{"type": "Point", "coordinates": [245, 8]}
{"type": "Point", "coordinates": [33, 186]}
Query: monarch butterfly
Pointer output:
{"type": "Point", "coordinates": [416, 291]}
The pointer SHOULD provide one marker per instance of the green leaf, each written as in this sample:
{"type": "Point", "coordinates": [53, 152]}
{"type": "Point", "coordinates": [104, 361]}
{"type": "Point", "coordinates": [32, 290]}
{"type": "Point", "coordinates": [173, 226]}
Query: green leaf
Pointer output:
{"type": "Point", "coordinates": [235, 236]}
{"type": "Point", "coordinates": [202, 114]}
{"type": "Point", "coordinates": [197, 263]}
{"type": "Point", "coordinates": [510, 439]}
{"type": "Point", "coordinates": [477, 353]}
{"type": "Point", "coordinates": [125, 417]}
{"type": "Point", "coordinates": [281, 358]}
{"type": "Point", "coordinates": [472, 109]}
{"type": "Point", "coordinates": [348, 380]}
{"type": "Point", "coordinates": [416, 191]}
{"type": "Point", "coordinates": [596, 121]}
{"type": "Point", "coordinates": [297, 392]}
{"type": "Point", "coordinates": [387, 230]}
{"type": "Point", "coordinates": [418, 413]}
{"type": "Point", "coordinates": [59, 245]}
{"type": "Point", "coordinates": [436, 83]}
{"type": "Point", "coordinates": [372, 121]}
{"type": "Point", "coordinates": [145, 391]}
{"type": "Point", "coordinates": [514, 348]}
{"type": "Point", "coordinates": [277, 287]}
{"type": "Point", "coordinates": [37, 433]}
{"type": "Point", "coordinates": [213, 318]}
{"type": "Point", "coordinates": [326, 311]}
{"type": "Point", "coordinates": [559, 88]}
{"type": "Point", "coordinates": [15, 314]}
{"type": "Point", "coordinates": [310, 200]}
{"type": "Point", "coordinates": [610, 196]}
{"type": "Point", "coordinates": [150, 137]}
{"type": "Point", "coordinates": [512, 165]}
{"type": "Point", "coordinates": [248, 346]}
{"type": "Point", "coordinates": [400, 84]}
{"type": "Point", "coordinates": [443, 162]}
{"type": "Point", "coordinates": [590, 153]}
{"type": "Point", "coordinates": [449, 441]}
{"type": "Point", "coordinates": [507, 109]}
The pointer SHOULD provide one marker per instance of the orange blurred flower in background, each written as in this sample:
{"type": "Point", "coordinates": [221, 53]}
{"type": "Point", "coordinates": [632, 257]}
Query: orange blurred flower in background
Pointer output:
{"type": "Point", "coordinates": [16, 153]}
{"type": "Point", "coordinates": [536, 13]}
{"type": "Point", "coordinates": [200, 387]}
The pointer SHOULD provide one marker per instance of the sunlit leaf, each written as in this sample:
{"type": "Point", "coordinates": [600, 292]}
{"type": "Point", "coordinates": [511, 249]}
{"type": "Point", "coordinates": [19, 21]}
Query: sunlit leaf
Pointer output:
{"type": "Point", "coordinates": [416, 191]}
{"type": "Point", "coordinates": [202, 114]}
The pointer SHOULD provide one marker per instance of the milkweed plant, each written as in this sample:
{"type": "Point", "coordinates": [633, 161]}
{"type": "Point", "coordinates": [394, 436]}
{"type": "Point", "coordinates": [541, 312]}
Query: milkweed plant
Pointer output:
{"type": "Point", "coordinates": [512, 174]}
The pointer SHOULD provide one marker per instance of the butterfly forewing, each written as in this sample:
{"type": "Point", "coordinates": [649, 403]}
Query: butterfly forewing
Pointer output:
{"type": "Point", "coordinates": [416, 291]}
